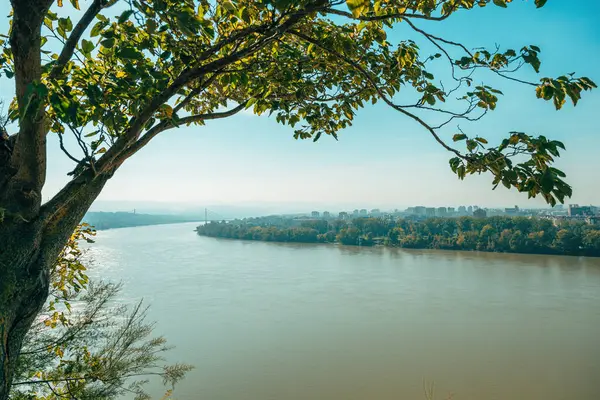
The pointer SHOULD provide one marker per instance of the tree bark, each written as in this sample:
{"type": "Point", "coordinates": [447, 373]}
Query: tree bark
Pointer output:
{"type": "Point", "coordinates": [21, 192]}
{"type": "Point", "coordinates": [28, 252]}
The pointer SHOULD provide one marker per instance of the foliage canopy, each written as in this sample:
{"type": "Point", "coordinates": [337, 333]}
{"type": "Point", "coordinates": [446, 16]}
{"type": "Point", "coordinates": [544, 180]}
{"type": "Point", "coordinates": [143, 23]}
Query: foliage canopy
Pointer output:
{"type": "Point", "coordinates": [495, 234]}
{"type": "Point", "coordinates": [129, 70]}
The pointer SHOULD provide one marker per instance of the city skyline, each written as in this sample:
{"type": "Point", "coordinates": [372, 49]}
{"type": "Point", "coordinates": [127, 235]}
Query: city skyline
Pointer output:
{"type": "Point", "coordinates": [242, 210]}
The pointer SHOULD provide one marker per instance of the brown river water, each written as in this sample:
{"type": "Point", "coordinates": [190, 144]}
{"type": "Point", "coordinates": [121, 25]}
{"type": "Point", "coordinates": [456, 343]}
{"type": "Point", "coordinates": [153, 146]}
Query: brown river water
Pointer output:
{"type": "Point", "coordinates": [295, 322]}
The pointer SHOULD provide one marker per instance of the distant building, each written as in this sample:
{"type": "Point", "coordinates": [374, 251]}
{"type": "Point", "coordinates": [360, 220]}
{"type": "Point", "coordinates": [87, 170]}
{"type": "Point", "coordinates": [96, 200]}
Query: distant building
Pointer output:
{"type": "Point", "coordinates": [512, 211]}
{"type": "Point", "coordinates": [495, 212]}
{"type": "Point", "coordinates": [430, 212]}
{"type": "Point", "coordinates": [441, 212]}
{"type": "Point", "coordinates": [575, 210]}
{"type": "Point", "coordinates": [326, 214]}
{"type": "Point", "coordinates": [315, 214]}
{"type": "Point", "coordinates": [420, 210]}
{"type": "Point", "coordinates": [343, 215]}
{"type": "Point", "coordinates": [375, 212]}
{"type": "Point", "coordinates": [363, 212]}
{"type": "Point", "coordinates": [462, 210]}
{"type": "Point", "coordinates": [410, 210]}
{"type": "Point", "coordinates": [470, 209]}
{"type": "Point", "coordinates": [355, 213]}
{"type": "Point", "coordinates": [559, 213]}
{"type": "Point", "coordinates": [451, 211]}
{"type": "Point", "coordinates": [480, 213]}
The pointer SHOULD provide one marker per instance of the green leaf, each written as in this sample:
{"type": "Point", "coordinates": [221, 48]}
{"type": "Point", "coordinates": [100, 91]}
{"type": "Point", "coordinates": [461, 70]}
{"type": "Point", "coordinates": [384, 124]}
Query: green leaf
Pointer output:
{"type": "Point", "coordinates": [540, 3]}
{"type": "Point", "coordinates": [48, 23]}
{"type": "Point", "coordinates": [250, 102]}
{"type": "Point", "coordinates": [471, 145]}
{"type": "Point", "coordinates": [97, 28]}
{"type": "Point", "coordinates": [108, 43]}
{"type": "Point", "coordinates": [459, 136]}
{"type": "Point", "coordinates": [129, 53]}
{"type": "Point", "coordinates": [283, 4]}
{"type": "Point", "coordinates": [588, 82]}
{"type": "Point", "coordinates": [87, 46]}
{"type": "Point", "coordinates": [547, 182]}
{"type": "Point", "coordinates": [228, 6]}
{"type": "Point", "coordinates": [358, 7]}
{"type": "Point", "coordinates": [65, 24]}
{"type": "Point", "coordinates": [500, 3]}
{"type": "Point", "coordinates": [125, 16]}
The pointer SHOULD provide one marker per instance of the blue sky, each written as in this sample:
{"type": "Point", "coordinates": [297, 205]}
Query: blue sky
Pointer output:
{"type": "Point", "coordinates": [384, 159]}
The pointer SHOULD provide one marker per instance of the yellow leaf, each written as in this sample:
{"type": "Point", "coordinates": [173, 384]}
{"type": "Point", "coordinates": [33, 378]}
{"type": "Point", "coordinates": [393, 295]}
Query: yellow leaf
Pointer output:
{"type": "Point", "coordinates": [60, 3]}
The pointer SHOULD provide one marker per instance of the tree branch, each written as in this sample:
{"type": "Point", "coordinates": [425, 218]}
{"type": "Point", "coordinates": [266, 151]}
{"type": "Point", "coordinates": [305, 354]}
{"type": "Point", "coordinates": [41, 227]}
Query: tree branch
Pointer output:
{"type": "Point", "coordinates": [71, 43]}
{"type": "Point", "coordinates": [137, 123]}
{"type": "Point", "coordinates": [384, 17]}
{"type": "Point", "coordinates": [434, 39]}
{"type": "Point", "coordinates": [166, 125]}
{"type": "Point", "coordinates": [86, 378]}
{"type": "Point", "coordinates": [62, 147]}
{"type": "Point", "coordinates": [375, 86]}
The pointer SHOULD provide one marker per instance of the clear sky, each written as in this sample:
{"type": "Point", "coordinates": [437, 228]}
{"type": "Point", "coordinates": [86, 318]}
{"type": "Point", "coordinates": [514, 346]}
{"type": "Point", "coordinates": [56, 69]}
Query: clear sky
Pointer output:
{"type": "Point", "coordinates": [383, 160]}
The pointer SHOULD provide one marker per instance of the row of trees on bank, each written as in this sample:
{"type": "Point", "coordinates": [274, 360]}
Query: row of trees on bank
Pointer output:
{"type": "Point", "coordinates": [495, 234]}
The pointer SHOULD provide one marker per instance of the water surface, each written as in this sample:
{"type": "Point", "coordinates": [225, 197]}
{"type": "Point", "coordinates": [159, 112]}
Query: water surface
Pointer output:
{"type": "Point", "coordinates": [297, 322]}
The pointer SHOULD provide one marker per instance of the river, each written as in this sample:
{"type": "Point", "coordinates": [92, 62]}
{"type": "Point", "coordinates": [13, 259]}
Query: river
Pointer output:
{"type": "Point", "coordinates": [296, 322]}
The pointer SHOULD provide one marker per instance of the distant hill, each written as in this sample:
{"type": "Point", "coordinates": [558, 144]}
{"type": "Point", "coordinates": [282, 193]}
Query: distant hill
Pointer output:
{"type": "Point", "coordinates": [110, 220]}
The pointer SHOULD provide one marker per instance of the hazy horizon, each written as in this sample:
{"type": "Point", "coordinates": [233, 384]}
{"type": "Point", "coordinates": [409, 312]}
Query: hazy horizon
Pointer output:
{"type": "Point", "coordinates": [235, 210]}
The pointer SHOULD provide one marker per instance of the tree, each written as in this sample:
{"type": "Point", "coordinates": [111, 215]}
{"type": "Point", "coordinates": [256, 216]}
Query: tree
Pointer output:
{"type": "Point", "coordinates": [91, 354]}
{"type": "Point", "coordinates": [79, 348]}
{"type": "Point", "coordinates": [129, 70]}
{"type": "Point", "coordinates": [591, 242]}
{"type": "Point", "coordinates": [487, 238]}
{"type": "Point", "coordinates": [567, 241]}
{"type": "Point", "coordinates": [348, 236]}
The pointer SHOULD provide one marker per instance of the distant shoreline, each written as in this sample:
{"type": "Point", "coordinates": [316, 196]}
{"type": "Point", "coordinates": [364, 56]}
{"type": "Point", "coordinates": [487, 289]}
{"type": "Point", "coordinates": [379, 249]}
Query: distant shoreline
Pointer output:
{"type": "Point", "coordinates": [115, 220]}
{"type": "Point", "coordinates": [516, 235]}
{"type": "Point", "coordinates": [143, 225]}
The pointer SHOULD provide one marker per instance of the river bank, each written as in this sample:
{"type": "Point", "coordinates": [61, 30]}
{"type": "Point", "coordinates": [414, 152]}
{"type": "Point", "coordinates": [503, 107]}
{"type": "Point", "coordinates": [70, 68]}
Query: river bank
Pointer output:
{"type": "Point", "coordinates": [496, 234]}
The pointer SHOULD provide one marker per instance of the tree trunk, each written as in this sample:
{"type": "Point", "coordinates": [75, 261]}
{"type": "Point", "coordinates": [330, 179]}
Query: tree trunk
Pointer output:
{"type": "Point", "coordinates": [23, 291]}
{"type": "Point", "coordinates": [28, 252]}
